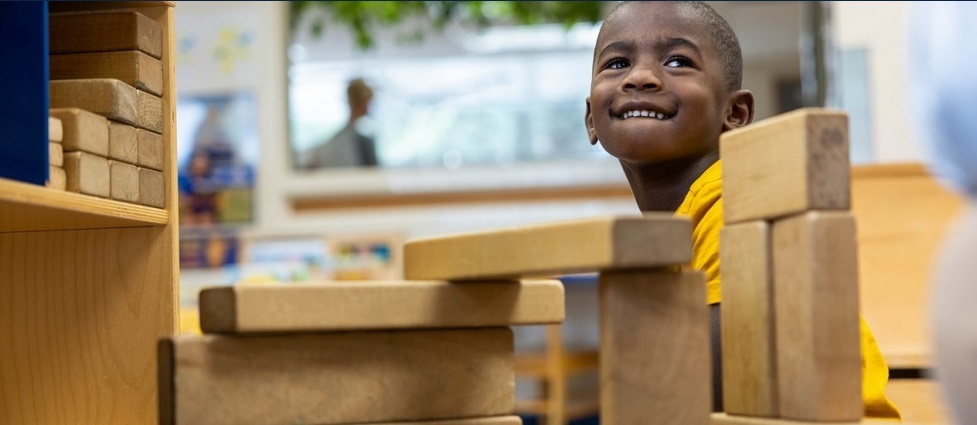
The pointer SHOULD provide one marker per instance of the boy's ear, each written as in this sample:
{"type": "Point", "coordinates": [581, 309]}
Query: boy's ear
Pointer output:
{"type": "Point", "coordinates": [588, 120]}
{"type": "Point", "coordinates": [740, 110]}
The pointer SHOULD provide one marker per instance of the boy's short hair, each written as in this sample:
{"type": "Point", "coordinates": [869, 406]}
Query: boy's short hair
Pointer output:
{"type": "Point", "coordinates": [723, 37]}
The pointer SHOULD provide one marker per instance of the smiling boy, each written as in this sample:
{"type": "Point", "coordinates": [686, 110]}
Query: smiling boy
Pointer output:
{"type": "Point", "coordinates": [666, 83]}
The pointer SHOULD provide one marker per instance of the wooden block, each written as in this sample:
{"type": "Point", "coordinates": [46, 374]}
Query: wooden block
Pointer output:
{"type": "Point", "coordinates": [749, 361]}
{"type": "Point", "coordinates": [56, 178]}
{"type": "Point", "coordinates": [726, 419]}
{"type": "Point", "coordinates": [336, 378]}
{"type": "Point", "coordinates": [105, 32]}
{"type": "Point", "coordinates": [654, 348]}
{"type": "Point", "coordinates": [123, 143]}
{"type": "Point", "coordinates": [337, 306]}
{"type": "Point", "coordinates": [87, 173]}
{"type": "Point", "coordinates": [785, 165]}
{"type": "Point", "coordinates": [124, 181]}
{"type": "Point", "coordinates": [150, 114]}
{"type": "Point", "coordinates": [152, 190]}
{"type": "Point", "coordinates": [150, 150]}
{"type": "Point", "coordinates": [55, 154]}
{"type": "Point", "coordinates": [55, 130]}
{"type": "Point", "coordinates": [815, 275]}
{"type": "Point", "coordinates": [573, 246]}
{"type": "Point", "coordinates": [107, 97]}
{"type": "Point", "coordinates": [132, 67]}
{"type": "Point", "coordinates": [83, 131]}
{"type": "Point", "coordinates": [493, 420]}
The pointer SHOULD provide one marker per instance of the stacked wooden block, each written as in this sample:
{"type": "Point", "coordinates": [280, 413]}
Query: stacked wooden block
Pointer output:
{"type": "Point", "coordinates": [106, 88]}
{"type": "Point", "coordinates": [790, 323]}
{"type": "Point", "coordinates": [56, 176]}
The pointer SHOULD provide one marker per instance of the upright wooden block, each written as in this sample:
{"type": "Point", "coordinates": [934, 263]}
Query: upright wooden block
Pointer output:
{"type": "Point", "coordinates": [336, 378]}
{"type": "Point", "coordinates": [55, 130]}
{"type": "Point", "coordinates": [132, 67]}
{"type": "Point", "coordinates": [55, 154]}
{"type": "Point", "coordinates": [87, 173]}
{"type": "Point", "coordinates": [107, 97]}
{"type": "Point", "coordinates": [749, 360]}
{"type": "Point", "coordinates": [654, 348]}
{"type": "Point", "coordinates": [572, 246]}
{"type": "Point", "coordinates": [124, 181]}
{"type": "Point", "coordinates": [785, 165]}
{"type": "Point", "coordinates": [124, 143]}
{"type": "Point", "coordinates": [815, 272]}
{"type": "Point", "coordinates": [150, 150]}
{"type": "Point", "coordinates": [340, 306]}
{"type": "Point", "coordinates": [105, 32]}
{"type": "Point", "coordinates": [150, 113]}
{"type": "Point", "coordinates": [56, 178]}
{"type": "Point", "coordinates": [152, 191]}
{"type": "Point", "coordinates": [83, 131]}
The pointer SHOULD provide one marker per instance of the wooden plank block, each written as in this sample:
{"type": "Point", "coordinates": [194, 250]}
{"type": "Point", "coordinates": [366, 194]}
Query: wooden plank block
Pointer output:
{"type": "Point", "coordinates": [152, 189]}
{"type": "Point", "coordinates": [333, 378]}
{"type": "Point", "coordinates": [123, 143]}
{"type": "Point", "coordinates": [124, 180]}
{"type": "Point", "coordinates": [493, 420]}
{"type": "Point", "coordinates": [150, 113]}
{"type": "Point", "coordinates": [107, 97]}
{"type": "Point", "coordinates": [584, 245]}
{"type": "Point", "coordinates": [132, 67]}
{"type": "Point", "coordinates": [749, 360]}
{"type": "Point", "coordinates": [150, 150]}
{"type": "Point", "coordinates": [654, 348]}
{"type": "Point", "coordinates": [104, 32]}
{"type": "Point", "coordinates": [55, 131]}
{"type": "Point", "coordinates": [83, 131]}
{"type": "Point", "coordinates": [57, 178]}
{"type": "Point", "coordinates": [726, 419]}
{"type": "Point", "coordinates": [785, 165]}
{"type": "Point", "coordinates": [55, 154]}
{"type": "Point", "coordinates": [87, 173]}
{"type": "Point", "coordinates": [336, 306]}
{"type": "Point", "coordinates": [815, 275]}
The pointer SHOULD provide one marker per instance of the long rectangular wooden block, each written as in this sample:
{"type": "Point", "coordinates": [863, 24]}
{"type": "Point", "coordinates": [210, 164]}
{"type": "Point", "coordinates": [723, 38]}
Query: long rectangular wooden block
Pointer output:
{"type": "Point", "coordinates": [336, 378]}
{"type": "Point", "coordinates": [815, 275]}
{"type": "Point", "coordinates": [55, 130]}
{"type": "Point", "coordinates": [785, 165]}
{"type": "Point", "coordinates": [585, 245]}
{"type": "Point", "coordinates": [83, 131]}
{"type": "Point", "coordinates": [150, 151]}
{"type": "Point", "coordinates": [749, 361]}
{"type": "Point", "coordinates": [105, 32]}
{"type": "Point", "coordinates": [124, 181]}
{"type": "Point", "coordinates": [87, 173]}
{"type": "Point", "coordinates": [132, 67]}
{"type": "Point", "coordinates": [107, 97]}
{"type": "Point", "coordinates": [152, 189]}
{"type": "Point", "coordinates": [123, 142]}
{"type": "Point", "coordinates": [727, 419]}
{"type": "Point", "coordinates": [56, 178]}
{"type": "Point", "coordinates": [55, 154]}
{"type": "Point", "coordinates": [150, 113]}
{"type": "Point", "coordinates": [339, 306]}
{"type": "Point", "coordinates": [654, 348]}
{"type": "Point", "coordinates": [492, 420]}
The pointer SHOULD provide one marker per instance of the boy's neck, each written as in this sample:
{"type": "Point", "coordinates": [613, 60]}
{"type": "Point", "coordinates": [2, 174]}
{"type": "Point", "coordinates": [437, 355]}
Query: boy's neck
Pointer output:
{"type": "Point", "coordinates": [663, 186]}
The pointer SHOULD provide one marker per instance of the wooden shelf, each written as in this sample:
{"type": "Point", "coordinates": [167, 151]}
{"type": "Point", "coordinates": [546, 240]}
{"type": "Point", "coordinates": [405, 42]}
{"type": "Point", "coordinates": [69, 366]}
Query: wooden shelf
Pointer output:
{"type": "Point", "coordinates": [27, 207]}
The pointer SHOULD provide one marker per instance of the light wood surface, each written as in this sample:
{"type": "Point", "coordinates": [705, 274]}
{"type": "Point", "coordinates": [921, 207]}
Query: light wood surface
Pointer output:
{"type": "Point", "coordinates": [749, 361]}
{"type": "Point", "coordinates": [55, 154]}
{"type": "Point", "coordinates": [123, 143]}
{"type": "Point", "coordinates": [83, 131]}
{"type": "Point", "coordinates": [57, 179]}
{"type": "Point", "coordinates": [815, 275]}
{"type": "Point", "coordinates": [132, 67]}
{"type": "Point", "coordinates": [334, 378]}
{"type": "Point", "coordinates": [87, 174]}
{"type": "Point", "coordinates": [55, 131]}
{"type": "Point", "coordinates": [335, 306]}
{"type": "Point", "coordinates": [919, 400]}
{"type": "Point", "coordinates": [150, 112]}
{"type": "Point", "coordinates": [724, 419]}
{"type": "Point", "coordinates": [124, 181]}
{"type": "Point", "coordinates": [152, 188]}
{"type": "Point", "coordinates": [107, 97]}
{"type": "Point", "coordinates": [493, 420]}
{"type": "Point", "coordinates": [787, 164]}
{"type": "Point", "coordinates": [573, 246]}
{"type": "Point", "coordinates": [654, 348]}
{"type": "Point", "coordinates": [104, 32]}
{"type": "Point", "coordinates": [150, 150]}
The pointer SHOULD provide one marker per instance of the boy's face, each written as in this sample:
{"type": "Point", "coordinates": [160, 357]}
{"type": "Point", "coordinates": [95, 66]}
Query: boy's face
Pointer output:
{"type": "Point", "coordinates": [656, 61]}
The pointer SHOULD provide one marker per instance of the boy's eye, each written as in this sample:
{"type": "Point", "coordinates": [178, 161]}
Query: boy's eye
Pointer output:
{"type": "Point", "coordinates": [617, 64]}
{"type": "Point", "coordinates": [678, 62]}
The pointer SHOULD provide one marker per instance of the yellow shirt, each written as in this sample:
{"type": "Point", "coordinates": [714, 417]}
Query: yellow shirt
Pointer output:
{"type": "Point", "coordinates": [704, 206]}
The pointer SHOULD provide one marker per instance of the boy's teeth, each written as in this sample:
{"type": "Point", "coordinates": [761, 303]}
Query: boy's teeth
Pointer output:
{"type": "Point", "coordinates": [637, 113]}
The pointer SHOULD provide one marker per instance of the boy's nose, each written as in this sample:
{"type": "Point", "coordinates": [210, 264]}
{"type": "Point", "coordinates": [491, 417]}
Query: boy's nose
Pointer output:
{"type": "Point", "coordinates": [642, 79]}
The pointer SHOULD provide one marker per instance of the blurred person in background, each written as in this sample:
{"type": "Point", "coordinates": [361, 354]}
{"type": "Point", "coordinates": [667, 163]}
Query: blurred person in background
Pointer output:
{"type": "Point", "coordinates": [351, 146]}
